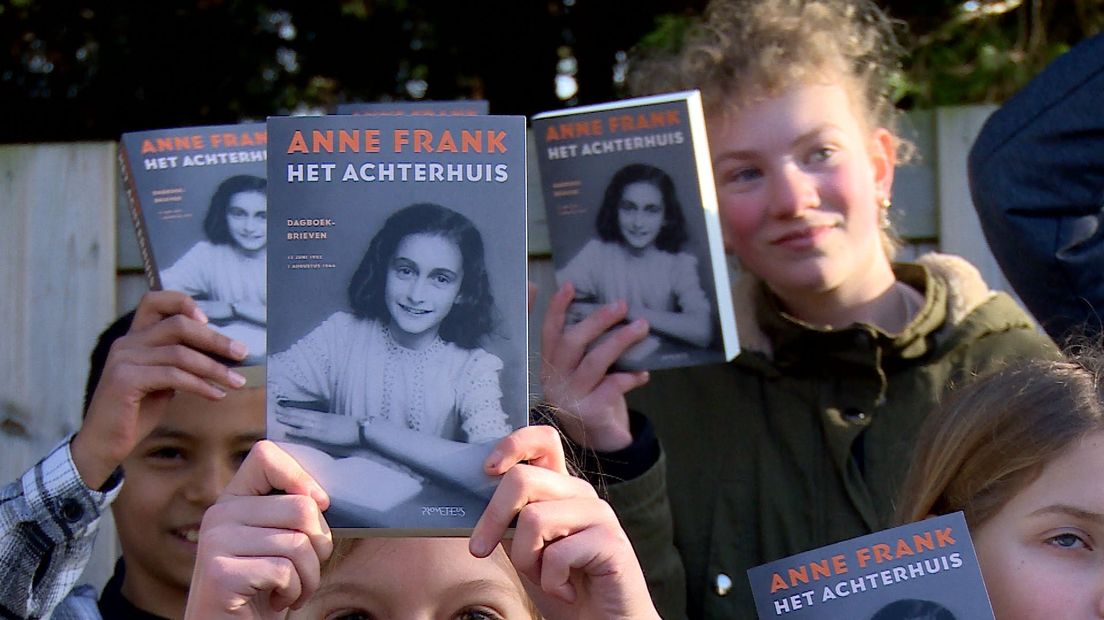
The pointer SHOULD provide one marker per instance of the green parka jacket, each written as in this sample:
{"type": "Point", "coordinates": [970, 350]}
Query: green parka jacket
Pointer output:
{"type": "Point", "coordinates": [804, 438]}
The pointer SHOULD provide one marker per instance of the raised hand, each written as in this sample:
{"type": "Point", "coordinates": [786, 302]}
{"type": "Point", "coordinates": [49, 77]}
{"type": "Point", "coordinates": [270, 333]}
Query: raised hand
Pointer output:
{"type": "Point", "coordinates": [260, 554]}
{"type": "Point", "coordinates": [168, 347]}
{"type": "Point", "coordinates": [571, 553]}
{"type": "Point", "coordinates": [588, 399]}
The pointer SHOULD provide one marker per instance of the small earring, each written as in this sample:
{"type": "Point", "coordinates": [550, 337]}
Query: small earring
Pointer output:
{"type": "Point", "coordinates": [886, 203]}
{"type": "Point", "coordinates": [883, 213]}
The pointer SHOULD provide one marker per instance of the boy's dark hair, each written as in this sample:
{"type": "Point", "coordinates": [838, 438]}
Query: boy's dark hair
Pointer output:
{"type": "Point", "coordinates": [214, 225]}
{"type": "Point", "coordinates": [98, 359]}
{"type": "Point", "coordinates": [673, 232]}
{"type": "Point", "coordinates": [472, 315]}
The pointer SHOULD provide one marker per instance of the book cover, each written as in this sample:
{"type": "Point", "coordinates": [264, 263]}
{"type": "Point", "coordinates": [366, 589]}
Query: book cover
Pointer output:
{"type": "Point", "coordinates": [397, 321]}
{"type": "Point", "coordinates": [197, 198]}
{"type": "Point", "coordinates": [459, 107]}
{"type": "Point", "coordinates": [926, 569]}
{"type": "Point", "coordinates": [632, 215]}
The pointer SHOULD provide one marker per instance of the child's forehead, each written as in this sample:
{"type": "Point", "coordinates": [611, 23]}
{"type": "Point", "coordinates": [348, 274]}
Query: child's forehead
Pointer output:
{"type": "Point", "coordinates": [381, 565]}
{"type": "Point", "coordinates": [729, 105]}
{"type": "Point", "coordinates": [239, 415]}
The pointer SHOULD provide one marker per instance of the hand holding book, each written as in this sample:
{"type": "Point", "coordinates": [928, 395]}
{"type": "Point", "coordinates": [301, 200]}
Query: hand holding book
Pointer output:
{"type": "Point", "coordinates": [261, 553]}
{"type": "Point", "coordinates": [169, 347]}
{"type": "Point", "coordinates": [575, 373]}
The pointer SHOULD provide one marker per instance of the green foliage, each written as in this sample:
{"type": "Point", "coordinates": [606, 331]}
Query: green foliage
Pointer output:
{"type": "Point", "coordinates": [984, 51]}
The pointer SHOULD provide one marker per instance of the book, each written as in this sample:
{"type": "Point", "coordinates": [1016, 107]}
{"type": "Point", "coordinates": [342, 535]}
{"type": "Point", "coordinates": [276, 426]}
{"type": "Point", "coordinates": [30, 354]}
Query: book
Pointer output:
{"type": "Point", "coordinates": [926, 569]}
{"type": "Point", "coordinates": [397, 315]}
{"type": "Point", "coordinates": [197, 197]}
{"type": "Point", "coordinates": [459, 107]}
{"type": "Point", "coordinates": [632, 215]}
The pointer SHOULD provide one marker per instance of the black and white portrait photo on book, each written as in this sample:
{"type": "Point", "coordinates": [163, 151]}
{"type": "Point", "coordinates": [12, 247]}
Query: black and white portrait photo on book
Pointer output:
{"type": "Point", "coordinates": [632, 219]}
{"type": "Point", "coordinates": [198, 197]}
{"type": "Point", "coordinates": [397, 336]}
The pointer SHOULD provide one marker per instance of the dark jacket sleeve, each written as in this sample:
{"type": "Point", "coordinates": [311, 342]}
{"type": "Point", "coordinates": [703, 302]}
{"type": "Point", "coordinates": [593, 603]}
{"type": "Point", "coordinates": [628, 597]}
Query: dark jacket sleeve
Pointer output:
{"type": "Point", "coordinates": [1037, 179]}
{"type": "Point", "coordinates": [644, 510]}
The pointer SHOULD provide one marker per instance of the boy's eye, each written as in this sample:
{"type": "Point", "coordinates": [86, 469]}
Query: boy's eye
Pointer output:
{"type": "Point", "coordinates": [239, 457]}
{"type": "Point", "coordinates": [166, 453]}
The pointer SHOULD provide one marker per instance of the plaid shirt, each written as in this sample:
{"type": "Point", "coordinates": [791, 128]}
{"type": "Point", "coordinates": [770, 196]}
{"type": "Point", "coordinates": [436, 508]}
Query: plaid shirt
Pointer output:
{"type": "Point", "coordinates": [48, 522]}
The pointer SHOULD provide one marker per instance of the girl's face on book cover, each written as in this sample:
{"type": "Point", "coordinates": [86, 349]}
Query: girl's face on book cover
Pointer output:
{"type": "Point", "coordinates": [418, 579]}
{"type": "Point", "coordinates": [1042, 554]}
{"type": "Point", "coordinates": [246, 217]}
{"type": "Point", "coordinates": [423, 282]}
{"type": "Point", "coordinates": [640, 214]}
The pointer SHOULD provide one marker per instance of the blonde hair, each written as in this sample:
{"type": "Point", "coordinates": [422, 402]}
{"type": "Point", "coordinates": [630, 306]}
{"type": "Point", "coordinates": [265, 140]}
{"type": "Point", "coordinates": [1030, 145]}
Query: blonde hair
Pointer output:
{"type": "Point", "coordinates": [741, 51]}
{"type": "Point", "coordinates": [993, 437]}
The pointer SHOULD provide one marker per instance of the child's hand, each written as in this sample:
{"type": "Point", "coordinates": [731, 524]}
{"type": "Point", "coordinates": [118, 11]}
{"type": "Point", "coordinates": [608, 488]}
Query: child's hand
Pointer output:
{"type": "Point", "coordinates": [571, 553]}
{"type": "Point", "coordinates": [589, 400]}
{"type": "Point", "coordinates": [167, 348]}
{"type": "Point", "coordinates": [336, 430]}
{"type": "Point", "coordinates": [260, 554]}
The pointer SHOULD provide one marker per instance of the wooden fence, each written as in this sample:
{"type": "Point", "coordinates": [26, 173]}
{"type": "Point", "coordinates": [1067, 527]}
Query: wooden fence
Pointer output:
{"type": "Point", "coordinates": [70, 265]}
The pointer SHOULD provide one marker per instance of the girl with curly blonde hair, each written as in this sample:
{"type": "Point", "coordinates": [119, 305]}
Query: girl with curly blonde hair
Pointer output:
{"type": "Point", "coordinates": [804, 438]}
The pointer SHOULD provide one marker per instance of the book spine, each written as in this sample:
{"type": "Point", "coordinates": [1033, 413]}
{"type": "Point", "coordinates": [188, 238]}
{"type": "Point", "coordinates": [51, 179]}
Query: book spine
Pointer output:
{"type": "Point", "coordinates": [707, 188]}
{"type": "Point", "coordinates": [135, 204]}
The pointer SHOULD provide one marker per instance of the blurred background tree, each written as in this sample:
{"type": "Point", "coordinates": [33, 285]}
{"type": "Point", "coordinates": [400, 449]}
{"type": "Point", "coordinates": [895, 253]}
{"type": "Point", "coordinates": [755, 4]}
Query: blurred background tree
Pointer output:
{"type": "Point", "coordinates": [91, 69]}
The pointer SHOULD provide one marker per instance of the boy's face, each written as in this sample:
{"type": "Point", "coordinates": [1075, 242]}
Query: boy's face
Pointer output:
{"type": "Point", "coordinates": [171, 478]}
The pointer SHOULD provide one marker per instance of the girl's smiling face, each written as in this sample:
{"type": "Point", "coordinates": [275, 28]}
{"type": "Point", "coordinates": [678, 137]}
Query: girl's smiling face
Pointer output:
{"type": "Point", "coordinates": [418, 579]}
{"type": "Point", "coordinates": [246, 218]}
{"type": "Point", "coordinates": [1042, 554]}
{"type": "Point", "coordinates": [799, 180]}
{"type": "Point", "coordinates": [423, 282]}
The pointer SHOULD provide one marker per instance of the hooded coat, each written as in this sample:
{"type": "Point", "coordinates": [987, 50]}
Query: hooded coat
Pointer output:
{"type": "Point", "coordinates": [804, 438]}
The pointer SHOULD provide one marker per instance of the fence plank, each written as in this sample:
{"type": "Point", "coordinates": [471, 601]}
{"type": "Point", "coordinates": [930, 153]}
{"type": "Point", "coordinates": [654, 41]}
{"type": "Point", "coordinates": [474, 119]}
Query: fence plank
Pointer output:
{"type": "Point", "coordinates": [57, 204]}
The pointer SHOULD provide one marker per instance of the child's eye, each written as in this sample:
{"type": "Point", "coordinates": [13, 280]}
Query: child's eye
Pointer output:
{"type": "Point", "coordinates": [742, 175]}
{"type": "Point", "coordinates": [350, 615]}
{"type": "Point", "coordinates": [166, 453]}
{"type": "Point", "coordinates": [822, 154]}
{"type": "Point", "coordinates": [477, 613]}
{"type": "Point", "coordinates": [443, 278]}
{"type": "Point", "coordinates": [239, 457]}
{"type": "Point", "coordinates": [1068, 540]}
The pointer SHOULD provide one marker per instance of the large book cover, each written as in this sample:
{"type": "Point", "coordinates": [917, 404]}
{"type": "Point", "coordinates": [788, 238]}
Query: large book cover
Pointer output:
{"type": "Point", "coordinates": [632, 215]}
{"type": "Point", "coordinates": [197, 197]}
{"type": "Point", "coordinates": [926, 569]}
{"type": "Point", "coordinates": [397, 318]}
{"type": "Point", "coordinates": [459, 107]}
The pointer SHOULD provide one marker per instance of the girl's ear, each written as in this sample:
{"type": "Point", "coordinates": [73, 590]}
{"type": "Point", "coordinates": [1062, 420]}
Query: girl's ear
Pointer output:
{"type": "Point", "coordinates": [883, 160]}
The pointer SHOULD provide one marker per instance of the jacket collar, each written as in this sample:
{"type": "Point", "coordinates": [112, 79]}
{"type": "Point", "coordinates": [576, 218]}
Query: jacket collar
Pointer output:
{"type": "Point", "coordinates": [951, 286]}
